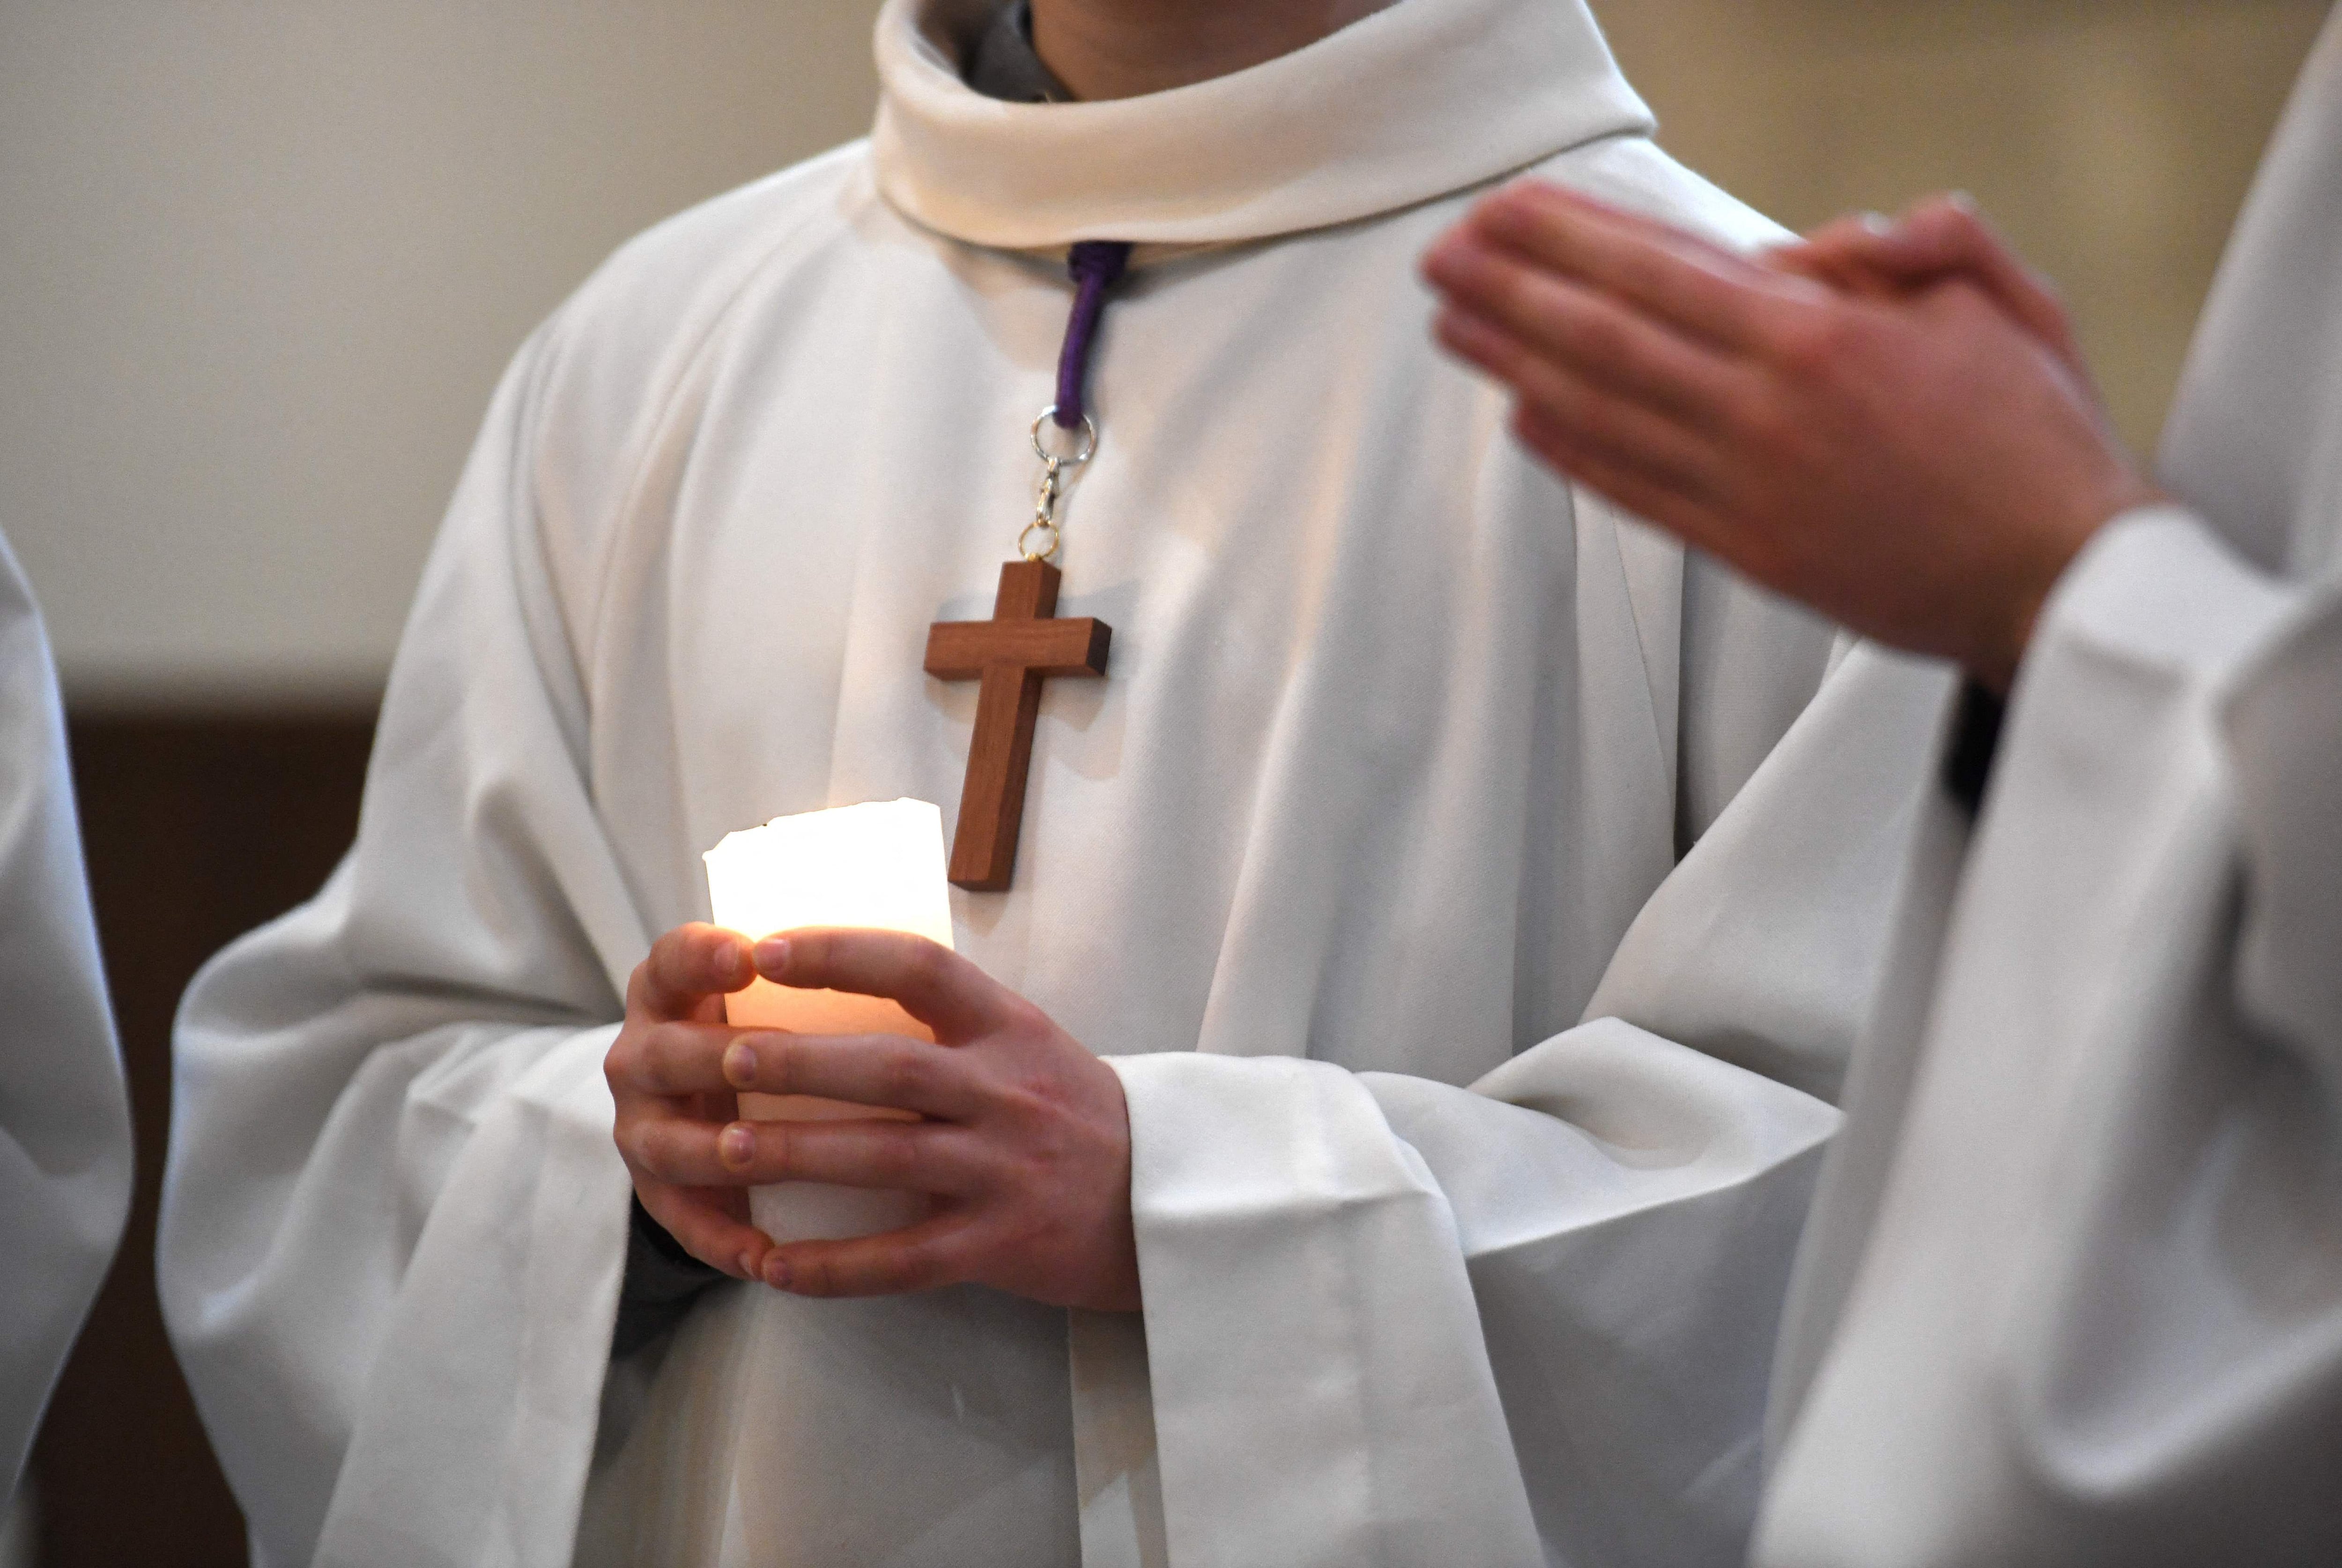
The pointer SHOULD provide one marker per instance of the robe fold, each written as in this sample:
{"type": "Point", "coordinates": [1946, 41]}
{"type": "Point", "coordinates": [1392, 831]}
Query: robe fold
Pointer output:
{"type": "Point", "coordinates": [1464, 1217]}
{"type": "Point", "coordinates": [65, 1115]}
{"type": "Point", "coordinates": [2073, 1291]}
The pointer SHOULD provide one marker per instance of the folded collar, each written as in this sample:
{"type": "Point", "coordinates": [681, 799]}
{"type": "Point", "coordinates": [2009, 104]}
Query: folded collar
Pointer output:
{"type": "Point", "coordinates": [1420, 99]}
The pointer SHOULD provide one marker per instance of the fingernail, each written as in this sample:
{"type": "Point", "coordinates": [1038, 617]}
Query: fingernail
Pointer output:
{"type": "Point", "coordinates": [740, 1065]}
{"type": "Point", "coordinates": [1964, 201]}
{"type": "Point", "coordinates": [1876, 222]}
{"type": "Point", "coordinates": [776, 1271]}
{"type": "Point", "coordinates": [748, 1266]}
{"type": "Point", "coordinates": [736, 1146]}
{"type": "Point", "coordinates": [772, 955]}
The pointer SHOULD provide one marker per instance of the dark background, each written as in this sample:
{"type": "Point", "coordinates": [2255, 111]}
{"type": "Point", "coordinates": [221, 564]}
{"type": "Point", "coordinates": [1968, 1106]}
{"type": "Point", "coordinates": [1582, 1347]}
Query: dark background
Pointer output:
{"type": "Point", "coordinates": [197, 828]}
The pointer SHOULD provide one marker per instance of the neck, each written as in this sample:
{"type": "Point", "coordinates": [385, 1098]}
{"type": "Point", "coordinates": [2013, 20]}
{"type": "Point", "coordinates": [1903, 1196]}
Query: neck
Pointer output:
{"type": "Point", "coordinates": [1123, 48]}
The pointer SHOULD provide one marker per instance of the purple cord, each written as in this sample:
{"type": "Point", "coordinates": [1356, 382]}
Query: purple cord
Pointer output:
{"type": "Point", "coordinates": [1095, 264]}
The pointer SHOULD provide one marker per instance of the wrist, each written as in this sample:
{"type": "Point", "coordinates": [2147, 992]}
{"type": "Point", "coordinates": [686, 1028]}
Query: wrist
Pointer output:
{"type": "Point", "coordinates": [2000, 651]}
{"type": "Point", "coordinates": [1116, 1288]}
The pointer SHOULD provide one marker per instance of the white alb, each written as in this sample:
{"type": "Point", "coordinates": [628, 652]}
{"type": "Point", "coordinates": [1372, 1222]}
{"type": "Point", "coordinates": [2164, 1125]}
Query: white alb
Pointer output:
{"type": "Point", "coordinates": [64, 1115]}
{"type": "Point", "coordinates": [2074, 1291]}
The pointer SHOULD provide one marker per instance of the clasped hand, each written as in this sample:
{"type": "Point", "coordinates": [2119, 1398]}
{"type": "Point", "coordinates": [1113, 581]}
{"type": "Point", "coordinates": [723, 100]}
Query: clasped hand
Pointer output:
{"type": "Point", "coordinates": [1024, 1145]}
{"type": "Point", "coordinates": [1889, 422]}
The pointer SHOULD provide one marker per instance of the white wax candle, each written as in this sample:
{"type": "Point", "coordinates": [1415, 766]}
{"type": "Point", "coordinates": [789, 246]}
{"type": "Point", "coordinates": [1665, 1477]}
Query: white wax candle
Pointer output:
{"type": "Point", "coordinates": [878, 866]}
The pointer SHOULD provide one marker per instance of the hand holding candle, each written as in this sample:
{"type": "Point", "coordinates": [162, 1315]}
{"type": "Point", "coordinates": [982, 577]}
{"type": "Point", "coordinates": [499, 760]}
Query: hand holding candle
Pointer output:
{"type": "Point", "coordinates": [1023, 1147]}
{"type": "Point", "coordinates": [1007, 1153]}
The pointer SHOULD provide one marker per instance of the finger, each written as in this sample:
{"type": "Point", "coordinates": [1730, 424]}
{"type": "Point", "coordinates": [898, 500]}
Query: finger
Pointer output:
{"type": "Point", "coordinates": [1699, 289]}
{"type": "Point", "coordinates": [1940, 239]}
{"type": "Point", "coordinates": [1867, 249]}
{"type": "Point", "coordinates": [673, 1059]}
{"type": "Point", "coordinates": [1663, 448]}
{"type": "Point", "coordinates": [1843, 254]}
{"type": "Point", "coordinates": [933, 1253]}
{"type": "Point", "coordinates": [1858, 238]}
{"type": "Point", "coordinates": [1640, 493]}
{"type": "Point", "coordinates": [675, 1148]}
{"type": "Point", "coordinates": [1951, 234]}
{"type": "Point", "coordinates": [703, 1227]}
{"type": "Point", "coordinates": [903, 1156]}
{"type": "Point", "coordinates": [881, 1070]}
{"type": "Point", "coordinates": [687, 965]}
{"type": "Point", "coordinates": [936, 986]}
{"type": "Point", "coordinates": [1593, 335]}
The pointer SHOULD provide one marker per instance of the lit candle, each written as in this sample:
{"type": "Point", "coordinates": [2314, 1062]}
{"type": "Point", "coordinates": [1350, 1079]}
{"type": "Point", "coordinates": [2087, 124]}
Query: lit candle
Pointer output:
{"type": "Point", "coordinates": [878, 867]}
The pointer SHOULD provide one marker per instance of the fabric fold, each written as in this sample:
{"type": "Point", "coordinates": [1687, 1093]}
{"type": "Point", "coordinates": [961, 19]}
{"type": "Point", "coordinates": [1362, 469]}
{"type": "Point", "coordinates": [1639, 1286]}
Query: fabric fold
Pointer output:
{"type": "Point", "coordinates": [1315, 1290]}
{"type": "Point", "coordinates": [2072, 1001]}
{"type": "Point", "coordinates": [64, 1110]}
{"type": "Point", "coordinates": [1415, 100]}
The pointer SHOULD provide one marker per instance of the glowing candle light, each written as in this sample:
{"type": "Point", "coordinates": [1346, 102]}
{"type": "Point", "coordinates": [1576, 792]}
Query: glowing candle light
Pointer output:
{"type": "Point", "coordinates": [878, 867]}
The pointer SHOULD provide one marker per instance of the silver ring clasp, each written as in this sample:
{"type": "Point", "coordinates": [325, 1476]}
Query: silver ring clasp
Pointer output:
{"type": "Point", "coordinates": [1083, 450]}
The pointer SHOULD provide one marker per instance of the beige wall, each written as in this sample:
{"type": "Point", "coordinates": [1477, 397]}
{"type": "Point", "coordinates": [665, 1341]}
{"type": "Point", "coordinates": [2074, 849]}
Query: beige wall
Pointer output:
{"type": "Point", "coordinates": [2114, 139]}
{"type": "Point", "coordinates": [260, 262]}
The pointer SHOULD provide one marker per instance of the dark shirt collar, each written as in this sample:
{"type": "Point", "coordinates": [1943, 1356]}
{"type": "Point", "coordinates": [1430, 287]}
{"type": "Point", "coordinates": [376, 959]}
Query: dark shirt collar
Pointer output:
{"type": "Point", "coordinates": [1004, 65]}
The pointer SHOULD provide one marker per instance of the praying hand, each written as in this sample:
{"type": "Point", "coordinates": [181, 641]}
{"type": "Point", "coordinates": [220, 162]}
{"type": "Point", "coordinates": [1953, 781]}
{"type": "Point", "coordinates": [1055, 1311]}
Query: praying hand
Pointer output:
{"type": "Point", "coordinates": [1777, 421]}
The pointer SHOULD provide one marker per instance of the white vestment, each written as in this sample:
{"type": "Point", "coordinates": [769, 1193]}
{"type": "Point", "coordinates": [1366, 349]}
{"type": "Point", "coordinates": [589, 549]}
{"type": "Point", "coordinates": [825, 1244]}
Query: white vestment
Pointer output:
{"type": "Point", "coordinates": [64, 1118]}
{"type": "Point", "coordinates": [2095, 1317]}
{"type": "Point", "coordinates": [1398, 738]}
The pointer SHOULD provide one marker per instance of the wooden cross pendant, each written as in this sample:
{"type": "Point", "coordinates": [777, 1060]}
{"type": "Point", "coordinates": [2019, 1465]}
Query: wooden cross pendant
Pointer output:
{"type": "Point", "coordinates": [1022, 645]}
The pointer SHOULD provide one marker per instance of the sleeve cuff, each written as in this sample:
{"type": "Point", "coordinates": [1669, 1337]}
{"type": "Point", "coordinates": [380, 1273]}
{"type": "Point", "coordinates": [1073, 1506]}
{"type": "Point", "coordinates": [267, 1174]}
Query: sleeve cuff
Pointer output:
{"type": "Point", "coordinates": [2157, 590]}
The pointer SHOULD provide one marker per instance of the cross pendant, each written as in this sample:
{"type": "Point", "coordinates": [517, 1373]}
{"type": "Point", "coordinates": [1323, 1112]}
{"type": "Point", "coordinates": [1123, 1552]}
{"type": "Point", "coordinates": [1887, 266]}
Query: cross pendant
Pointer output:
{"type": "Point", "coordinates": [1022, 645]}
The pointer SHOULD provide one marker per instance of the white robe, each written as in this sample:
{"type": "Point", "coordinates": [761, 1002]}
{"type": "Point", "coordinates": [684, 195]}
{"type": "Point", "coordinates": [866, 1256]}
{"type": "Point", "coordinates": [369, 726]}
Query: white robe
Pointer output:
{"type": "Point", "coordinates": [2096, 1315]}
{"type": "Point", "coordinates": [64, 1117]}
{"type": "Point", "coordinates": [1398, 739]}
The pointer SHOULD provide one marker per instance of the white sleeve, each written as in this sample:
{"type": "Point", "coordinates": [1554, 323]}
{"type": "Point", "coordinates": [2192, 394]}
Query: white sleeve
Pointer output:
{"type": "Point", "coordinates": [1531, 1321]}
{"type": "Point", "coordinates": [2095, 1321]}
{"type": "Point", "coordinates": [64, 1120]}
{"type": "Point", "coordinates": [391, 1161]}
